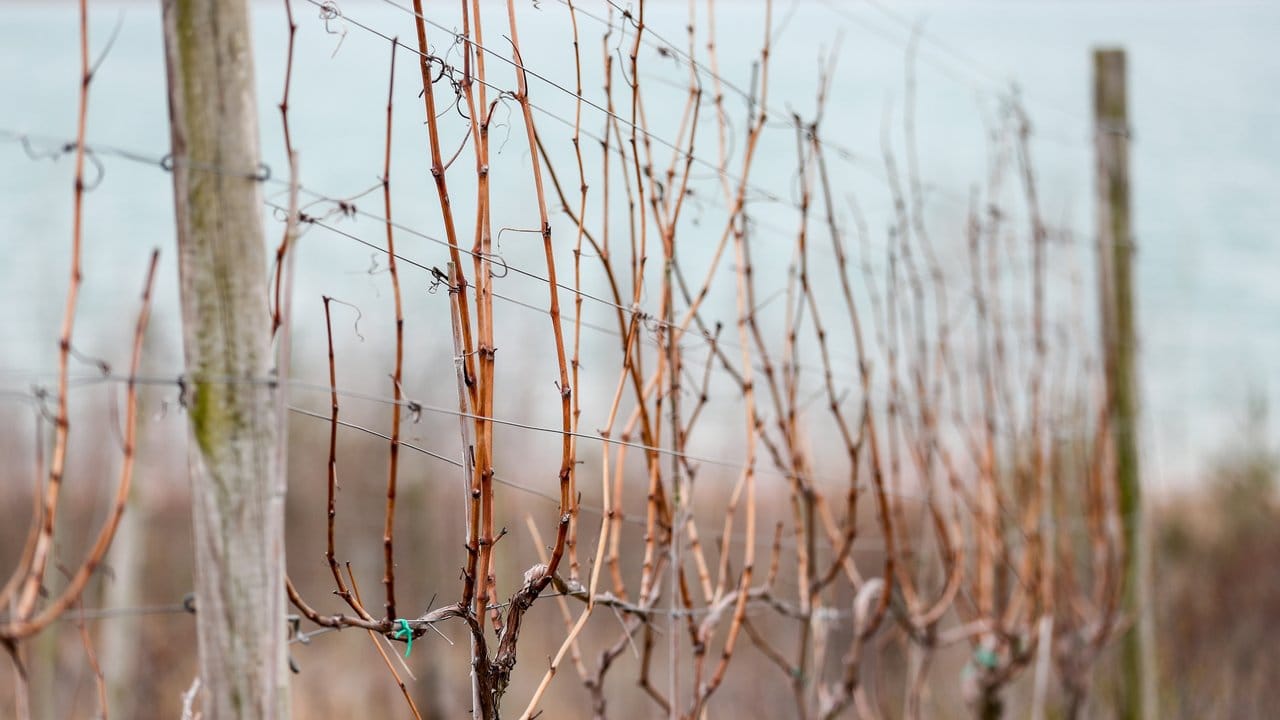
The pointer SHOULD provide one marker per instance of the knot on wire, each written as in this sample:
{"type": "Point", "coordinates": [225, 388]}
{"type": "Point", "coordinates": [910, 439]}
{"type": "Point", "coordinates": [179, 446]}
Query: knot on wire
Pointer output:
{"type": "Point", "coordinates": [440, 279]}
{"type": "Point", "coordinates": [651, 323]}
{"type": "Point", "coordinates": [66, 148]}
{"type": "Point", "coordinates": [329, 10]}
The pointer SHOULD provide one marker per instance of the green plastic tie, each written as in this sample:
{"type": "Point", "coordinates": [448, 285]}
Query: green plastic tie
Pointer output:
{"type": "Point", "coordinates": [405, 633]}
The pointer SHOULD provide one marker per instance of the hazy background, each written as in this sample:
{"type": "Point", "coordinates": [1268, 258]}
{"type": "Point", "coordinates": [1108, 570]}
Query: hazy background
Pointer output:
{"type": "Point", "coordinates": [1206, 174]}
{"type": "Point", "coordinates": [1206, 159]}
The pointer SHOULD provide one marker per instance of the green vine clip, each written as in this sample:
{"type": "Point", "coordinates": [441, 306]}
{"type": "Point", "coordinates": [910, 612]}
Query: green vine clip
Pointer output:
{"type": "Point", "coordinates": [405, 633]}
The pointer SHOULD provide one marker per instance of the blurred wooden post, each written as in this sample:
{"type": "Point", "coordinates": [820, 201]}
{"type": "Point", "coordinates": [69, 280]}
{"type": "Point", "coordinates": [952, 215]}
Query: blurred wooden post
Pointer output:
{"type": "Point", "coordinates": [1119, 334]}
{"type": "Point", "coordinates": [236, 470]}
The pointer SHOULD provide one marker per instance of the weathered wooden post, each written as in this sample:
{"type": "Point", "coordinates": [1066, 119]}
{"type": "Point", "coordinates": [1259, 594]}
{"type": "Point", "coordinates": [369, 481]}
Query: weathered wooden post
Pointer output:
{"type": "Point", "coordinates": [1119, 335]}
{"type": "Point", "coordinates": [236, 472]}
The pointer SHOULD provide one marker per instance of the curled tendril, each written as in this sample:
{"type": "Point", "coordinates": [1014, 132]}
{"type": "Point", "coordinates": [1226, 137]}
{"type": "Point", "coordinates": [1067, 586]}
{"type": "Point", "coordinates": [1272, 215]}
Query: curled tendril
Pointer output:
{"type": "Point", "coordinates": [492, 257]}
{"type": "Point", "coordinates": [329, 10]}
{"type": "Point", "coordinates": [100, 171]}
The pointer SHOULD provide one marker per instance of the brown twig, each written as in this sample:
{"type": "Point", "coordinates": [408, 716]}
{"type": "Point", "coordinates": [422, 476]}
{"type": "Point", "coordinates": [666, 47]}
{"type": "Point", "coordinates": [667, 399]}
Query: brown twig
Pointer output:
{"type": "Point", "coordinates": [291, 221]}
{"type": "Point", "coordinates": [23, 625]}
{"type": "Point", "coordinates": [566, 390]}
{"type": "Point", "coordinates": [99, 680]}
{"type": "Point", "coordinates": [388, 534]}
{"type": "Point", "coordinates": [62, 426]}
{"type": "Point", "coordinates": [331, 515]}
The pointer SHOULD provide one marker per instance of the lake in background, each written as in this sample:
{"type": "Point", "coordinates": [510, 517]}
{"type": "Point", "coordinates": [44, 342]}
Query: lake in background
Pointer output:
{"type": "Point", "coordinates": [1206, 158]}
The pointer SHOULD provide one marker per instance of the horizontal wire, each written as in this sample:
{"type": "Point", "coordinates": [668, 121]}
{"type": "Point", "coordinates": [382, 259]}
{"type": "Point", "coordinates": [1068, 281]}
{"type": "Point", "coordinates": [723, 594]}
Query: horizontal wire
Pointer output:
{"type": "Point", "coordinates": [1078, 519]}
{"type": "Point", "coordinates": [456, 463]}
{"type": "Point", "coordinates": [182, 383]}
{"type": "Point", "coordinates": [861, 544]}
{"type": "Point", "coordinates": [711, 342]}
{"type": "Point", "coordinates": [646, 317]}
{"type": "Point", "coordinates": [265, 176]}
{"type": "Point", "coordinates": [263, 173]}
{"type": "Point", "coordinates": [826, 612]}
{"type": "Point", "coordinates": [960, 198]}
{"type": "Point", "coordinates": [109, 613]}
{"type": "Point", "coordinates": [159, 162]}
{"type": "Point", "coordinates": [414, 406]}
{"type": "Point", "coordinates": [635, 311]}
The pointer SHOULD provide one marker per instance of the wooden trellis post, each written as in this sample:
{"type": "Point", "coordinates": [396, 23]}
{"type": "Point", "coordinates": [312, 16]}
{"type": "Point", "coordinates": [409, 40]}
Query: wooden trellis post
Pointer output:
{"type": "Point", "coordinates": [238, 484]}
{"type": "Point", "coordinates": [1115, 258]}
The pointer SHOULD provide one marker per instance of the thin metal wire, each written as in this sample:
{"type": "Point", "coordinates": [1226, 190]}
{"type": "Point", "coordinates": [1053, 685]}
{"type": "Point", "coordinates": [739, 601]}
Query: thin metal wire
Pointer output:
{"type": "Point", "coordinates": [555, 499]}
{"type": "Point", "coordinates": [860, 545]}
{"type": "Point", "coordinates": [114, 613]}
{"type": "Point", "coordinates": [415, 406]}
{"type": "Point", "coordinates": [264, 175]}
{"type": "Point", "coordinates": [639, 314]}
{"type": "Point", "coordinates": [111, 613]}
{"type": "Point", "coordinates": [714, 167]}
{"type": "Point", "coordinates": [647, 318]}
{"type": "Point", "coordinates": [633, 311]}
{"type": "Point", "coordinates": [959, 198]}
